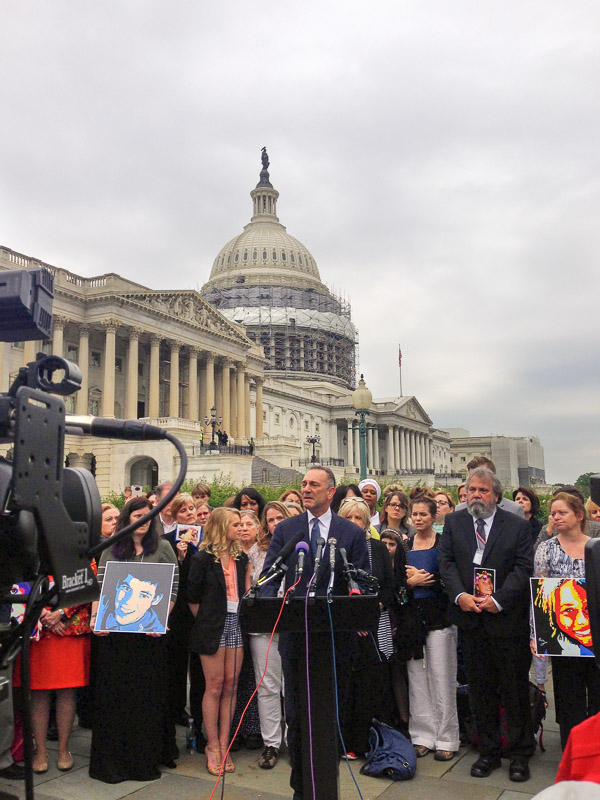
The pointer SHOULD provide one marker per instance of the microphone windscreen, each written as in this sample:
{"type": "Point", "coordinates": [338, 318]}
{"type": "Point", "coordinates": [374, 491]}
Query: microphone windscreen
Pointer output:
{"type": "Point", "coordinates": [302, 546]}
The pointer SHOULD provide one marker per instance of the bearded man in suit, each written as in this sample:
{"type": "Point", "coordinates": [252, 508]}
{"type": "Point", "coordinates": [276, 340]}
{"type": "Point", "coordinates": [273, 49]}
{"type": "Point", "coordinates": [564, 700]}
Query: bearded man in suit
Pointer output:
{"type": "Point", "coordinates": [494, 629]}
{"type": "Point", "coordinates": [318, 521]}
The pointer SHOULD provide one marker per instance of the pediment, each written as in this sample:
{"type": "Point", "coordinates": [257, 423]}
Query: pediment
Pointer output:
{"type": "Point", "coordinates": [411, 408]}
{"type": "Point", "coordinates": [189, 308]}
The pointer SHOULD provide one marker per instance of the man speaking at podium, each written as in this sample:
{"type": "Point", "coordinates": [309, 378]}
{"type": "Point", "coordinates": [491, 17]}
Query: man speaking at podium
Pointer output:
{"type": "Point", "coordinates": [317, 522]}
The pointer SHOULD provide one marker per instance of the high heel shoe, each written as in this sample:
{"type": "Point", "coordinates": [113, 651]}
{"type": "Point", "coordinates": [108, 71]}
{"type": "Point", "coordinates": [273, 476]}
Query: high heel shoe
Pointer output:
{"type": "Point", "coordinates": [65, 764]}
{"type": "Point", "coordinates": [210, 767]}
{"type": "Point", "coordinates": [229, 765]}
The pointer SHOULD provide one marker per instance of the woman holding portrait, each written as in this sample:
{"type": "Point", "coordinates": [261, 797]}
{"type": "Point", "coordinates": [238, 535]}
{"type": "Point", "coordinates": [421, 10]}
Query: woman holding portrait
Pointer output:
{"type": "Point", "coordinates": [130, 734]}
{"type": "Point", "coordinates": [576, 679]}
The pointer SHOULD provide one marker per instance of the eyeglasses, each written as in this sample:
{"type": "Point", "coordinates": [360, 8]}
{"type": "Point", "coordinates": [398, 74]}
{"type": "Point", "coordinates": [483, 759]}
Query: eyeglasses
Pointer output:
{"type": "Point", "coordinates": [396, 505]}
{"type": "Point", "coordinates": [442, 503]}
{"type": "Point", "coordinates": [353, 500]}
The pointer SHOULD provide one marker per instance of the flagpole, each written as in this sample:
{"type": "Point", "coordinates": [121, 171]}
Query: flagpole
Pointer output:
{"type": "Point", "coordinates": [400, 367]}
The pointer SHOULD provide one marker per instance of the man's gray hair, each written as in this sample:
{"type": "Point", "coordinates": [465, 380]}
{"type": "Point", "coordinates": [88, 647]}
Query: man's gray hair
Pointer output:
{"type": "Point", "coordinates": [328, 472]}
{"type": "Point", "coordinates": [483, 473]}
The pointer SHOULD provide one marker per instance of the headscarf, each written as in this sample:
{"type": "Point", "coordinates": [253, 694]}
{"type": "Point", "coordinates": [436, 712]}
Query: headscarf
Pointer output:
{"type": "Point", "coordinates": [371, 482]}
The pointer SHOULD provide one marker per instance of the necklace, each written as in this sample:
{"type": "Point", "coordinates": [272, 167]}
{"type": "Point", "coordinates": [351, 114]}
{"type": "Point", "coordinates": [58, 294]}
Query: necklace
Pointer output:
{"type": "Point", "coordinates": [429, 546]}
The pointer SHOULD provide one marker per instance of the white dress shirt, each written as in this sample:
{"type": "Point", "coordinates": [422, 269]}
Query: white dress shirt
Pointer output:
{"type": "Point", "coordinates": [324, 523]}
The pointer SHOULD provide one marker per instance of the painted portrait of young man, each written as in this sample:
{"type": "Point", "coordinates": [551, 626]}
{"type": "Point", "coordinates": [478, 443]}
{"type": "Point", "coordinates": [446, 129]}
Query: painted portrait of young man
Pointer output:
{"type": "Point", "coordinates": [135, 597]}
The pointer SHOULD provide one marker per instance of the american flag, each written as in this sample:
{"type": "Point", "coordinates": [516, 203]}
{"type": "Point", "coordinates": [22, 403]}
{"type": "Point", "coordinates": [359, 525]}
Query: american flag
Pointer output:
{"type": "Point", "coordinates": [399, 356]}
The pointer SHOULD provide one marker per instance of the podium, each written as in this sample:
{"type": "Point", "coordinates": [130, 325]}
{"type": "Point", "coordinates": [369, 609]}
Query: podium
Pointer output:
{"type": "Point", "coordinates": [360, 612]}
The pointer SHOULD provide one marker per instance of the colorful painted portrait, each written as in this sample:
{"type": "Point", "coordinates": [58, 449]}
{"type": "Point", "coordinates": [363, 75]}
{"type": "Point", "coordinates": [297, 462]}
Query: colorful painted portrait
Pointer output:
{"type": "Point", "coordinates": [484, 582]}
{"type": "Point", "coordinates": [135, 597]}
{"type": "Point", "coordinates": [560, 617]}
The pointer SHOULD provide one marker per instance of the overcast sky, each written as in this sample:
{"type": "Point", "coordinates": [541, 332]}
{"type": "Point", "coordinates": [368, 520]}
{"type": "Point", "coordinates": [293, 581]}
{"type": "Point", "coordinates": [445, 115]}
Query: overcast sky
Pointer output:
{"type": "Point", "coordinates": [439, 159]}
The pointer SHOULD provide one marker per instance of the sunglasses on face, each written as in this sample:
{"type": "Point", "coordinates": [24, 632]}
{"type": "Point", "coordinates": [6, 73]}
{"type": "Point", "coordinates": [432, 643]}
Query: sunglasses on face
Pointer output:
{"type": "Point", "coordinates": [353, 500]}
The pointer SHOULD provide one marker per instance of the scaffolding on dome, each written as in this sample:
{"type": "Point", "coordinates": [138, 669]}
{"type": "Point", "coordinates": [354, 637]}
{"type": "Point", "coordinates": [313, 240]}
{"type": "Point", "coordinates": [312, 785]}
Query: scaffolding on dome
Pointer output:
{"type": "Point", "coordinates": [304, 333]}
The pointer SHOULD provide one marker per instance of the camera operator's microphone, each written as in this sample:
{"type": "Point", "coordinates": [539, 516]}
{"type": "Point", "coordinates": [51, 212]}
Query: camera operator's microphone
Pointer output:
{"type": "Point", "coordinates": [285, 552]}
{"type": "Point", "coordinates": [301, 551]}
{"type": "Point", "coordinates": [349, 572]}
{"type": "Point", "coordinates": [332, 543]}
{"type": "Point", "coordinates": [129, 429]}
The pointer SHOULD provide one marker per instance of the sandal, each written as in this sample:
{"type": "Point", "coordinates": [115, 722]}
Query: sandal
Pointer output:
{"type": "Point", "coordinates": [444, 755]}
{"type": "Point", "coordinates": [229, 765]}
{"type": "Point", "coordinates": [213, 768]}
{"type": "Point", "coordinates": [421, 750]}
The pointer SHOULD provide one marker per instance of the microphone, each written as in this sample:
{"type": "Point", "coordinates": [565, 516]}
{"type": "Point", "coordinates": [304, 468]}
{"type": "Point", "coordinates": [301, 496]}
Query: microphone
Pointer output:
{"type": "Point", "coordinates": [349, 573]}
{"type": "Point", "coordinates": [128, 429]}
{"type": "Point", "coordinates": [301, 551]}
{"type": "Point", "coordinates": [318, 556]}
{"type": "Point", "coordinates": [285, 552]}
{"type": "Point", "coordinates": [332, 544]}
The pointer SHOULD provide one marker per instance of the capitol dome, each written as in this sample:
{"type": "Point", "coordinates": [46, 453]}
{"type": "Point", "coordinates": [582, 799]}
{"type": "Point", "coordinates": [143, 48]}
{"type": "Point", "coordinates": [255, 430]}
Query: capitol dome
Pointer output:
{"type": "Point", "coordinates": [268, 281]}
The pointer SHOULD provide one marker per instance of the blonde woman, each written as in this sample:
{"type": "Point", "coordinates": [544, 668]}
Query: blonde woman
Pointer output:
{"type": "Point", "coordinates": [110, 515]}
{"type": "Point", "coordinates": [219, 576]}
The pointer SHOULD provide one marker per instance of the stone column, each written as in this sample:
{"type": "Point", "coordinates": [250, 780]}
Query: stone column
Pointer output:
{"type": "Point", "coordinates": [233, 423]}
{"type": "Point", "coordinates": [154, 399]}
{"type": "Point", "coordinates": [411, 457]}
{"type": "Point", "coordinates": [226, 410]}
{"type": "Point", "coordinates": [396, 449]}
{"type": "Point", "coordinates": [376, 459]}
{"type": "Point", "coordinates": [423, 460]}
{"type": "Point", "coordinates": [302, 353]}
{"type": "Point", "coordinates": [247, 405]}
{"type": "Point", "coordinates": [29, 352]}
{"type": "Point", "coordinates": [356, 446]}
{"type": "Point", "coordinates": [391, 461]}
{"type": "Point", "coordinates": [193, 384]}
{"type": "Point", "coordinates": [58, 332]}
{"type": "Point", "coordinates": [174, 380]}
{"type": "Point", "coordinates": [132, 374]}
{"type": "Point", "coordinates": [350, 440]}
{"type": "Point", "coordinates": [241, 396]}
{"type": "Point", "coordinates": [108, 392]}
{"type": "Point", "coordinates": [429, 454]}
{"type": "Point", "coordinates": [402, 455]}
{"type": "Point", "coordinates": [219, 390]}
{"type": "Point", "coordinates": [419, 439]}
{"type": "Point", "coordinates": [333, 439]}
{"type": "Point", "coordinates": [202, 398]}
{"type": "Point", "coordinates": [370, 448]}
{"type": "Point", "coordinates": [210, 383]}
{"type": "Point", "coordinates": [259, 408]}
{"type": "Point", "coordinates": [81, 402]}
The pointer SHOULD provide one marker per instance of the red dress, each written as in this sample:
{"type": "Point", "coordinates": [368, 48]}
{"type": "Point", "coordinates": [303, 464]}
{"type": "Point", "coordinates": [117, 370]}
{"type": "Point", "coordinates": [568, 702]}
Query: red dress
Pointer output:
{"type": "Point", "coordinates": [60, 662]}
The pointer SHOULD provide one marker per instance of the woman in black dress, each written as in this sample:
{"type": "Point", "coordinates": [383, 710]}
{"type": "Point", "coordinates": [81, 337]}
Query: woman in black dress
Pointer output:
{"type": "Point", "coordinates": [370, 691]}
{"type": "Point", "coordinates": [129, 735]}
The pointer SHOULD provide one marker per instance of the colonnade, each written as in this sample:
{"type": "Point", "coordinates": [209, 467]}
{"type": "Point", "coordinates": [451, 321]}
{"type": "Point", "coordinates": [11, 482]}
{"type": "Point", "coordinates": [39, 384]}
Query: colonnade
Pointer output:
{"type": "Point", "coordinates": [405, 448]}
{"type": "Point", "coordinates": [197, 379]}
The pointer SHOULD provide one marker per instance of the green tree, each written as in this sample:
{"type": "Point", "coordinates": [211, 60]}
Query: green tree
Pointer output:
{"type": "Point", "coordinates": [583, 483]}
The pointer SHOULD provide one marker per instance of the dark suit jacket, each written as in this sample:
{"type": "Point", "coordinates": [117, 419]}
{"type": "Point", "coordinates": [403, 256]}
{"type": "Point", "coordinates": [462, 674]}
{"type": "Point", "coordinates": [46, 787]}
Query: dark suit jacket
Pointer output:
{"type": "Point", "coordinates": [347, 535]}
{"type": "Point", "coordinates": [509, 551]}
{"type": "Point", "coordinates": [206, 586]}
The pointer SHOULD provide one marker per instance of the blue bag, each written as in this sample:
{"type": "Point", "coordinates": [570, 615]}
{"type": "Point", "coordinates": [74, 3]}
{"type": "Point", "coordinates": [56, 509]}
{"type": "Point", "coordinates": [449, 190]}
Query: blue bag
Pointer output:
{"type": "Point", "coordinates": [390, 754]}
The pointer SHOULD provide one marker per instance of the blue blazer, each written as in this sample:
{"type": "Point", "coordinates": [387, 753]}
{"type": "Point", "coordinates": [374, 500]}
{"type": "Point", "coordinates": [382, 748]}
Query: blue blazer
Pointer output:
{"type": "Point", "coordinates": [347, 535]}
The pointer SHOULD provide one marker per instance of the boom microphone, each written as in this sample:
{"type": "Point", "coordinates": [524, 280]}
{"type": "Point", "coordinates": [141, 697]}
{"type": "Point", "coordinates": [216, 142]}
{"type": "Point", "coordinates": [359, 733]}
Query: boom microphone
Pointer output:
{"type": "Point", "coordinates": [112, 428]}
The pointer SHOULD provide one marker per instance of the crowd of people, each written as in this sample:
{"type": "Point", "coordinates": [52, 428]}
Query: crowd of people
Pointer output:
{"type": "Point", "coordinates": [454, 594]}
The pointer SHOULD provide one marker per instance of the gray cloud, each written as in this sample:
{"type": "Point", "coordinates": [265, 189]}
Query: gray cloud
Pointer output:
{"type": "Point", "coordinates": [439, 160]}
